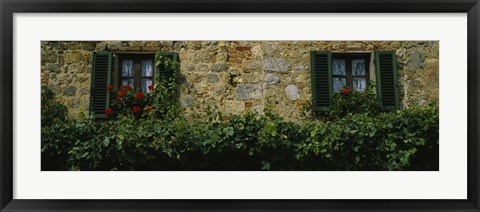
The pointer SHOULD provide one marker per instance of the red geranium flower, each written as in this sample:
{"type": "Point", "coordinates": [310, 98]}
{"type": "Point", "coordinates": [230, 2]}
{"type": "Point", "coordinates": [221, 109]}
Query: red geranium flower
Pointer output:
{"type": "Point", "coordinates": [139, 95]}
{"type": "Point", "coordinates": [344, 90]}
{"type": "Point", "coordinates": [121, 87]}
{"type": "Point", "coordinates": [122, 93]}
{"type": "Point", "coordinates": [108, 111]}
{"type": "Point", "coordinates": [109, 88]}
{"type": "Point", "coordinates": [128, 87]}
{"type": "Point", "coordinates": [136, 109]}
{"type": "Point", "coordinates": [150, 87]}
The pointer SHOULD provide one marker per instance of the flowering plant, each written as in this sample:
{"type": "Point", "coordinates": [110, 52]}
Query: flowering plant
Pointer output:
{"type": "Point", "coordinates": [139, 95]}
{"type": "Point", "coordinates": [129, 101]}
{"type": "Point", "coordinates": [159, 99]}
{"type": "Point", "coordinates": [350, 101]}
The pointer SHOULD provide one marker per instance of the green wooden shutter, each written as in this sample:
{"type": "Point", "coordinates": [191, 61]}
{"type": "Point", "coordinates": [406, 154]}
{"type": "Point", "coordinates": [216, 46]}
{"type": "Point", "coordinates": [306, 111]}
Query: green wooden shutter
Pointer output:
{"type": "Point", "coordinates": [101, 75]}
{"type": "Point", "coordinates": [386, 71]}
{"type": "Point", "coordinates": [161, 71]}
{"type": "Point", "coordinates": [321, 79]}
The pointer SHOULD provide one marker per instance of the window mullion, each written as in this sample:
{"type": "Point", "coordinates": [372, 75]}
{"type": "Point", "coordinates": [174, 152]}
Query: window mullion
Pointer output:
{"type": "Point", "coordinates": [348, 66]}
{"type": "Point", "coordinates": [137, 72]}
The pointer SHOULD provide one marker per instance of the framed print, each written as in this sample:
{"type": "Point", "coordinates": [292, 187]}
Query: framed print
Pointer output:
{"type": "Point", "coordinates": [266, 105]}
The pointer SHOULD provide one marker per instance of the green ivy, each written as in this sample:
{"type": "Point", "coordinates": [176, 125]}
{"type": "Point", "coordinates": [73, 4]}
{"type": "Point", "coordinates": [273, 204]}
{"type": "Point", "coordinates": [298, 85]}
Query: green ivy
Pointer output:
{"type": "Point", "coordinates": [52, 111]}
{"type": "Point", "coordinates": [356, 136]}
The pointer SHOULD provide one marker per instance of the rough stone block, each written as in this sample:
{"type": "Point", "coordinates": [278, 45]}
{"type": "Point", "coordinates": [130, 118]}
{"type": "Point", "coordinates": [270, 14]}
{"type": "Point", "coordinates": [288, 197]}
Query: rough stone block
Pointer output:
{"type": "Point", "coordinates": [212, 78]}
{"type": "Point", "coordinates": [253, 66]}
{"type": "Point", "coordinates": [276, 65]}
{"type": "Point", "coordinates": [271, 79]}
{"type": "Point", "coordinates": [292, 92]}
{"type": "Point", "coordinates": [249, 91]}
{"type": "Point", "coordinates": [272, 50]}
{"type": "Point", "coordinates": [114, 45]}
{"type": "Point", "coordinates": [203, 67]}
{"type": "Point", "coordinates": [69, 91]}
{"type": "Point", "coordinates": [299, 67]}
{"type": "Point", "coordinates": [416, 60]}
{"type": "Point", "coordinates": [219, 67]}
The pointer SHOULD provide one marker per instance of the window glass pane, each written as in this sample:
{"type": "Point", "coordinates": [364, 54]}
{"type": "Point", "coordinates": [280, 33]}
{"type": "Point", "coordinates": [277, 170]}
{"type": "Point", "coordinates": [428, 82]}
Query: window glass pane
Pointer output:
{"type": "Point", "coordinates": [358, 67]}
{"type": "Point", "coordinates": [147, 68]}
{"type": "Point", "coordinates": [359, 83]}
{"type": "Point", "coordinates": [338, 84]}
{"type": "Point", "coordinates": [338, 67]}
{"type": "Point", "coordinates": [144, 85]}
{"type": "Point", "coordinates": [127, 82]}
{"type": "Point", "coordinates": [127, 68]}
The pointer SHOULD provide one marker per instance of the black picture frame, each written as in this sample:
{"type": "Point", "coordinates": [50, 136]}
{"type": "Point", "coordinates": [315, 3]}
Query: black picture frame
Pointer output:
{"type": "Point", "coordinates": [9, 7]}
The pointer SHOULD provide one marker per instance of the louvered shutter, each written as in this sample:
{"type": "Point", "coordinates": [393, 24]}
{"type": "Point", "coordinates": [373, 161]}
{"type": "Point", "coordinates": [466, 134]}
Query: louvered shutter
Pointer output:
{"type": "Point", "coordinates": [162, 71]}
{"type": "Point", "coordinates": [386, 71]}
{"type": "Point", "coordinates": [101, 74]}
{"type": "Point", "coordinates": [321, 79]}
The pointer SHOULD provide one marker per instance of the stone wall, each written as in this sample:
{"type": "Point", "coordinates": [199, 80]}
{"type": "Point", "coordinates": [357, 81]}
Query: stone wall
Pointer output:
{"type": "Point", "coordinates": [238, 76]}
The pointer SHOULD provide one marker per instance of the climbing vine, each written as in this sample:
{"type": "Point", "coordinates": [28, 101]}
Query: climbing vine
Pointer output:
{"type": "Point", "coordinates": [147, 132]}
{"type": "Point", "coordinates": [159, 102]}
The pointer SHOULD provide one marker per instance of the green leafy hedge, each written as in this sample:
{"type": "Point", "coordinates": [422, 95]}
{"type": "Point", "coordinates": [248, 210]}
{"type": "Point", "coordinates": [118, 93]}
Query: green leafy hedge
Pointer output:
{"type": "Point", "coordinates": [400, 140]}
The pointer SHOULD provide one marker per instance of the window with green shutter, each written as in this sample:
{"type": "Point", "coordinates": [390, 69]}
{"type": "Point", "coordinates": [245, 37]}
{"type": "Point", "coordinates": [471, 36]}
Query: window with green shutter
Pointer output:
{"type": "Point", "coordinates": [331, 72]}
{"type": "Point", "coordinates": [386, 72]}
{"type": "Point", "coordinates": [137, 70]}
{"type": "Point", "coordinates": [321, 79]}
{"type": "Point", "coordinates": [101, 76]}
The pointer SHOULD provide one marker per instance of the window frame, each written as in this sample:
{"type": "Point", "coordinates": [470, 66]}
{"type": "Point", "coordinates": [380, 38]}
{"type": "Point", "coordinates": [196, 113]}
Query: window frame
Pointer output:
{"type": "Point", "coordinates": [137, 58]}
{"type": "Point", "coordinates": [385, 70]}
{"type": "Point", "coordinates": [113, 74]}
{"type": "Point", "coordinates": [348, 57]}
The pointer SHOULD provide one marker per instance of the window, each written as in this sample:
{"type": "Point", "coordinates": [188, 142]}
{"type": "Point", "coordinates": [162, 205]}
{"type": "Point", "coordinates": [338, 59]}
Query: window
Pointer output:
{"type": "Point", "coordinates": [332, 71]}
{"type": "Point", "coordinates": [350, 70]}
{"type": "Point", "coordinates": [136, 70]}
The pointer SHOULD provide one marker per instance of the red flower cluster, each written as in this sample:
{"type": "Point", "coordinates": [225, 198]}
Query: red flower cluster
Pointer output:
{"type": "Point", "coordinates": [122, 93]}
{"type": "Point", "coordinates": [125, 87]}
{"type": "Point", "coordinates": [150, 87]}
{"type": "Point", "coordinates": [108, 111]}
{"type": "Point", "coordinates": [136, 109]}
{"type": "Point", "coordinates": [139, 95]}
{"type": "Point", "coordinates": [344, 90]}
